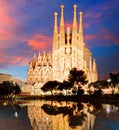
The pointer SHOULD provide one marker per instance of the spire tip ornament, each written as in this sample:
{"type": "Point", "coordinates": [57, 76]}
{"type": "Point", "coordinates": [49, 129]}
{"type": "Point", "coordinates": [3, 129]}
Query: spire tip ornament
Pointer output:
{"type": "Point", "coordinates": [62, 6]}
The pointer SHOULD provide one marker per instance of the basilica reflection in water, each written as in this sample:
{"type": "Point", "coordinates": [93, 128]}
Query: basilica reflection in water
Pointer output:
{"type": "Point", "coordinates": [61, 115]}
{"type": "Point", "coordinates": [54, 115]}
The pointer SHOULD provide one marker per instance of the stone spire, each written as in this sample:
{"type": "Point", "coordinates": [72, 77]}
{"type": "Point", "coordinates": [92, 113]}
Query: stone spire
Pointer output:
{"type": "Point", "coordinates": [95, 73]}
{"type": "Point", "coordinates": [55, 31]}
{"type": "Point", "coordinates": [62, 19]}
{"type": "Point", "coordinates": [33, 62]}
{"type": "Point", "coordinates": [81, 27]}
{"type": "Point", "coordinates": [94, 65]}
{"type": "Point", "coordinates": [49, 59]}
{"type": "Point", "coordinates": [74, 28]}
{"type": "Point", "coordinates": [44, 58]}
{"type": "Point", "coordinates": [90, 65]}
{"type": "Point", "coordinates": [62, 35]}
{"type": "Point", "coordinates": [39, 56]}
{"type": "Point", "coordinates": [39, 59]}
{"type": "Point", "coordinates": [34, 56]}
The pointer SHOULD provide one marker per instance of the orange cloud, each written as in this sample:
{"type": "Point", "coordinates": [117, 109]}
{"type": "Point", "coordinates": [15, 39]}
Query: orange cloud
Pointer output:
{"type": "Point", "coordinates": [8, 24]}
{"type": "Point", "coordinates": [68, 25]}
{"type": "Point", "coordinates": [14, 60]}
{"type": "Point", "coordinates": [107, 38]}
{"type": "Point", "coordinates": [19, 60]}
{"type": "Point", "coordinates": [40, 42]}
{"type": "Point", "coordinates": [5, 10]}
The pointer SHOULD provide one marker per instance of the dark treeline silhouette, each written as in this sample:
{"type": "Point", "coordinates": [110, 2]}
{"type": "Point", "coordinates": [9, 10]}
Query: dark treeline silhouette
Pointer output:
{"type": "Point", "coordinates": [110, 84]}
{"type": "Point", "coordinates": [76, 79]}
{"type": "Point", "coordinates": [74, 85]}
{"type": "Point", "coordinates": [50, 86]}
{"type": "Point", "coordinates": [9, 89]}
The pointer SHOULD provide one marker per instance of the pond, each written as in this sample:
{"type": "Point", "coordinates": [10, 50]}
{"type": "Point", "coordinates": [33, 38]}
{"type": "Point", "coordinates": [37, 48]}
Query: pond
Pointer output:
{"type": "Point", "coordinates": [54, 115]}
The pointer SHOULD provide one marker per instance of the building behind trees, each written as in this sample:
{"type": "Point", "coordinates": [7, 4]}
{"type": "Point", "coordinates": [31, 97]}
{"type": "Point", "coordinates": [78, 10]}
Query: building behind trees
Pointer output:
{"type": "Point", "coordinates": [68, 51]}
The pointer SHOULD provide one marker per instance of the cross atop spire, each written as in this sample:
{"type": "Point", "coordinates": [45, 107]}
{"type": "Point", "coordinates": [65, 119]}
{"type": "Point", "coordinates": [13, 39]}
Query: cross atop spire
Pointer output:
{"type": "Point", "coordinates": [55, 31]}
{"type": "Point", "coordinates": [55, 14]}
{"type": "Point", "coordinates": [75, 6]}
{"type": "Point", "coordinates": [74, 28]}
{"type": "Point", "coordinates": [62, 10]}
{"type": "Point", "coordinates": [62, 35]}
{"type": "Point", "coordinates": [34, 56]}
{"type": "Point", "coordinates": [62, 17]}
{"type": "Point", "coordinates": [81, 26]}
{"type": "Point", "coordinates": [74, 20]}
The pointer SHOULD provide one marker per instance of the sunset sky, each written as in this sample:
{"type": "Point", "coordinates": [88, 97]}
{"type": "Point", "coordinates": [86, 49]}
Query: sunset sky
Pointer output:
{"type": "Point", "coordinates": [26, 27]}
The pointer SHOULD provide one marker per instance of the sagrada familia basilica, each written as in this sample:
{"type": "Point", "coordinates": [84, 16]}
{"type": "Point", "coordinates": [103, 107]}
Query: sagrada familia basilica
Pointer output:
{"type": "Point", "coordinates": [68, 51]}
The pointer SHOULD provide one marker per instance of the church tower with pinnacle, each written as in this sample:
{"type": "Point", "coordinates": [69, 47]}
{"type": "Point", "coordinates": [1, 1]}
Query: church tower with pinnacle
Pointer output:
{"type": "Point", "coordinates": [68, 51]}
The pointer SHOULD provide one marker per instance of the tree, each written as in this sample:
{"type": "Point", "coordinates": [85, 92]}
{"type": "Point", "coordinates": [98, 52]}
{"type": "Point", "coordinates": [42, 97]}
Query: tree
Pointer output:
{"type": "Point", "coordinates": [114, 81]}
{"type": "Point", "coordinates": [50, 86]}
{"type": "Point", "coordinates": [77, 78]}
{"type": "Point", "coordinates": [8, 89]}
{"type": "Point", "coordinates": [98, 86]}
{"type": "Point", "coordinates": [65, 85]}
{"type": "Point", "coordinates": [17, 89]}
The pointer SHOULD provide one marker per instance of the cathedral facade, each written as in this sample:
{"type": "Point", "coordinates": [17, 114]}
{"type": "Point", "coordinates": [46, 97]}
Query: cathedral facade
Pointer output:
{"type": "Point", "coordinates": [68, 51]}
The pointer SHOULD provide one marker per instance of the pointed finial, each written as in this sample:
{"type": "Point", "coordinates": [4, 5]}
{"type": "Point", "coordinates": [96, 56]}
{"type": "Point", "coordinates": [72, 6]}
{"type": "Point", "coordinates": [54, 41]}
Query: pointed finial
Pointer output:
{"type": "Point", "coordinates": [81, 26]}
{"type": "Point", "coordinates": [55, 14]}
{"type": "Point", "coordinates": [44, 52]}
{"type": "Point", "coordinates": [62, 14]}
{"type": "Point", "coordinates": [94, 64]}
{"type": "Point", "coordinates": [34, 56]}
{"type": "Point", "coordinates": [94, 59]}
{"type": "Point", "coordinates": [62, 7]}
{"type": "Point", "coordinates": [74, 28]}
{"type": "Point", "coordinates": [80, 13]}
{"type": "Point", "coordinates": [75, 6]}
{"type": "Point", "coordinates": [61, 30]}
{"type": "Point", "coordinates": [39, 55]}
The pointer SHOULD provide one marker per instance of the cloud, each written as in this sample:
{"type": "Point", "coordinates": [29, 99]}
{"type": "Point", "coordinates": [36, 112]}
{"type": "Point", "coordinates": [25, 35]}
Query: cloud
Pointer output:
{"type": "Point", "coordinates": [22, 52]}
{"type": "Point", "coordinates": [8, 24]}
{"type": "Point", "coordinates": [14, 60]}
{"type": "Point", "coordinates": [104, 39]}
{"type": "Point", "coordinates": [5, 18]}
{"type": "Point", "coordinates": [40, 42]}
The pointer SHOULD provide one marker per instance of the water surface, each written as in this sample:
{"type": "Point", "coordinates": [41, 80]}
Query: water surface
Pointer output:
{"type": "Point", "coordinates": [54, 115]}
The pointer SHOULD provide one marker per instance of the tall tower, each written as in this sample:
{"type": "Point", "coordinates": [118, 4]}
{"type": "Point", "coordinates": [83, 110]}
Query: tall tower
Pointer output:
{"type": "Point", "coordinates": [68, 51]}
{"type": "Point", "coordinates": [74, 28]}
{"type": "Point", "coordinates": [55, 34]}
{"type": "Point", "coordinates": [81, 27]}
{"type": "Point", "coordinates": [62, 33]}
